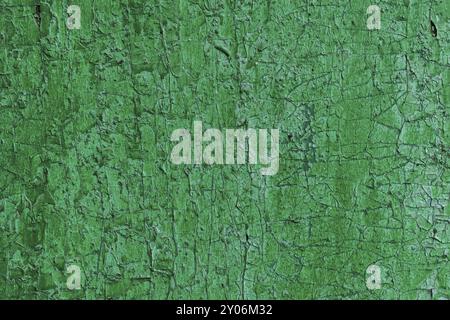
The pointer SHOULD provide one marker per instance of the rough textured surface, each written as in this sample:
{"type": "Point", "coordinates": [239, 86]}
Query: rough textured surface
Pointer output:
{"type": "Point", "coordinates": [85, 177]}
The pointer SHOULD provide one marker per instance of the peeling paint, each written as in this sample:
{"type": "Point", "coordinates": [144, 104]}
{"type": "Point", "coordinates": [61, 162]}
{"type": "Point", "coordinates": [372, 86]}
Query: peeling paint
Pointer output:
{"type": "Point", "coordinates": [86, 179]}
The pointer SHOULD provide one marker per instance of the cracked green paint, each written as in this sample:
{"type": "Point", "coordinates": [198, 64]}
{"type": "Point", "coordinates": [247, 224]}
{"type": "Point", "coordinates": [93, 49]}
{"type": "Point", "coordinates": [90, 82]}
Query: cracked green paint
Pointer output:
{"type": "Point", "coordinates": [85, 123]}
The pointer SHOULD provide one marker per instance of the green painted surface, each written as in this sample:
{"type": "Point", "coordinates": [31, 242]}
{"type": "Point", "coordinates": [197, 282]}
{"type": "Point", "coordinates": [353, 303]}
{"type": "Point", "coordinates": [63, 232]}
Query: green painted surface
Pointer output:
{"type": "Point", "coordinates": [85, 123]}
